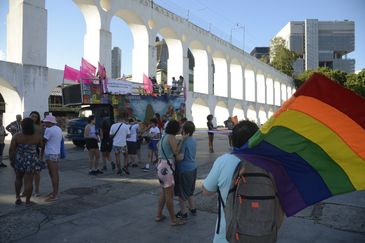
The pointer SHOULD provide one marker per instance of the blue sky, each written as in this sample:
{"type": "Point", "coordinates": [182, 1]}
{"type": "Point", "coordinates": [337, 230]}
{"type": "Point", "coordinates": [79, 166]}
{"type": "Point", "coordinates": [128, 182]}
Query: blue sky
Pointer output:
{"type": "Point", "coordinates": [262, 19]}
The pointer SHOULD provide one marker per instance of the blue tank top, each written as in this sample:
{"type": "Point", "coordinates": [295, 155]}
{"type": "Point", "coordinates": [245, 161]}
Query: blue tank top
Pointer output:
{"type": "Point", "coordinates": [166, 147]}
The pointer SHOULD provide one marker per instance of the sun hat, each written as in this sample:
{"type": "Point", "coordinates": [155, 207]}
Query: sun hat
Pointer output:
{"type": "Point", "coordinates": [50, 118]}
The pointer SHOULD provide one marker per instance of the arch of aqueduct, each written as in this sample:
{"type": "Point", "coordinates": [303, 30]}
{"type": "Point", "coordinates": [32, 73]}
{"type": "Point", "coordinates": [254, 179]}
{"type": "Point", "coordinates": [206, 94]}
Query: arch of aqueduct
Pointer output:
{"type": "Point", "coordinates": [239, 84]}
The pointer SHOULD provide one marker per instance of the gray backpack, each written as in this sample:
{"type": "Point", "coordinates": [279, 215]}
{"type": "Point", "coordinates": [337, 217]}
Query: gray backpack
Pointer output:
{"type": "Point", "coordinates": [252, 210]}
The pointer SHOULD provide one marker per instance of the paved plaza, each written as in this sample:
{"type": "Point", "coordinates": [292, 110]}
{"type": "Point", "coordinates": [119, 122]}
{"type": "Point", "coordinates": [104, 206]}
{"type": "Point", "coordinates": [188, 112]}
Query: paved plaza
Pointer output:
{"type": "Point", "coordinates": [111, 208]}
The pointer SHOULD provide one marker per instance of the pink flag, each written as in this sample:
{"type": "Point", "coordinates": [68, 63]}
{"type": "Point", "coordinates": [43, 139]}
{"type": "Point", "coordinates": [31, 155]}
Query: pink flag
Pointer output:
{"type": "Point", "coordinates": [101, 71]}
{"type": "Point", "coordinates": [147, 84]}
{"type": "Point", "coordinates": [87, 70]}
{"type": "Point", "coordinates": [71, 74]}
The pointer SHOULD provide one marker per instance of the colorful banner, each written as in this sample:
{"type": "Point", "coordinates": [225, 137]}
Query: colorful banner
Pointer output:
{"type": "Point", "coordinates": [144, 107]}
{"type": "Point", "coordinates": [91, 93]}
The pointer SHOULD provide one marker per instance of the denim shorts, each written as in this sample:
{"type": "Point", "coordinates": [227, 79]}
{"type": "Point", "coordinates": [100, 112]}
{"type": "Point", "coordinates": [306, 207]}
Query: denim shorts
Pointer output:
{"type": "Point", "coordinates": [52, 157]}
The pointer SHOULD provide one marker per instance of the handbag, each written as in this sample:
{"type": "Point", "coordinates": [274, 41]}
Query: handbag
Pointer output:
{"type": "Point", "coordinates": [111, 137]}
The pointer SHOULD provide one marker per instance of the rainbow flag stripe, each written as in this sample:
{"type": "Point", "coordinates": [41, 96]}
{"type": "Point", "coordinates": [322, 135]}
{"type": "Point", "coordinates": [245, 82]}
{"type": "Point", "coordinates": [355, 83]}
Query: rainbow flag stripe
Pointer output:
{"type": "Point", "coordinates": [314, 145]}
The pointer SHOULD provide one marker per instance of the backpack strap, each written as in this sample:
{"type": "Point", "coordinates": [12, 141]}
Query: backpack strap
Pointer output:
{"type": "Point", "coordinates": [220, 203]}
{"type": "Point", "coordinates": [220, 198]}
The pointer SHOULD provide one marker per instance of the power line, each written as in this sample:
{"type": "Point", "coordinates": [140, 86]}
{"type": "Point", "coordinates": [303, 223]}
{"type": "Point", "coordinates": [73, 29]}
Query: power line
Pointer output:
{"type": "Point", "coordinates": [190, 14]}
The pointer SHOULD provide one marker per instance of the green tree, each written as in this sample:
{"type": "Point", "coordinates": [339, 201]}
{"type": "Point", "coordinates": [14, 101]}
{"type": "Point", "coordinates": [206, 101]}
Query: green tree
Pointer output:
{"type": "Point", "coordinates": [336, 75]}
{"type": "Point", "coordinates": [265, 59]}
{"type": "Point", "coordinates": [356, 82]}
{"type": "Point", "coordinates": [282, 58]}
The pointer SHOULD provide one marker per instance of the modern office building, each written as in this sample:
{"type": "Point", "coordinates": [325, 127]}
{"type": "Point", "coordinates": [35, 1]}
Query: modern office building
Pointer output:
{"type": "Point", "coordinates": [116, 62]}
{"type": "Point", "coordinates": [320, 44]}
{"type": "Point", "coordinates": [260, 52]}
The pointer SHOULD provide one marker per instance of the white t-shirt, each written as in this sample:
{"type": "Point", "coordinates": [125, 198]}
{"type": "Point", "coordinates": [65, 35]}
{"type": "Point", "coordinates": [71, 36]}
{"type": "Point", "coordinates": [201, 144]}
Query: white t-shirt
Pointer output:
{"type": "Point", "coordinates": [120, 139]}
{"type": "Point", "coordinates": [155, 131]}
{"type": "Point", "coordinates": [134, 129]}
{"type": "Point", "coordinates": [220, 176]}
{"type": "Point", "coordinates": [54, 137]}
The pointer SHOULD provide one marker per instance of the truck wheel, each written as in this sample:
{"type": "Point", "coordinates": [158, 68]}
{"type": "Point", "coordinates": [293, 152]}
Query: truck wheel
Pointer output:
{"type": "Point", "coordinates": [78, 143]}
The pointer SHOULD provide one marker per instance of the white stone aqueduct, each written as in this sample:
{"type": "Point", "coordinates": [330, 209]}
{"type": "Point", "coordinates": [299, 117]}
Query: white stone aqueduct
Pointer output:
{"type": "Point", "coordinates": [239, 84]}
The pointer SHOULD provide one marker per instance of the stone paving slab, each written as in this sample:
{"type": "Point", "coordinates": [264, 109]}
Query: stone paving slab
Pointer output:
{"type": "Point", "coordinates": [111, 208]}
{"type": "Point", "coordinates": [130, 220]}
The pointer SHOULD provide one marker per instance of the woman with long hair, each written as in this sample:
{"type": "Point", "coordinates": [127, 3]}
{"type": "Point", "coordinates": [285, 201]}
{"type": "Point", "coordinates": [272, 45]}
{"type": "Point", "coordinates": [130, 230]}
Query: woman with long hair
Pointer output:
{"type": "Point", "coordinates": [168, 150]}
{"type": "Point", "coordinates": [106, 146]}
{"type": "Point", "coordinates": [36, 117]}
{"type": "Point", "coordinates": [24, 158]}
{"type": "Point", "coordinates": [92, 146]}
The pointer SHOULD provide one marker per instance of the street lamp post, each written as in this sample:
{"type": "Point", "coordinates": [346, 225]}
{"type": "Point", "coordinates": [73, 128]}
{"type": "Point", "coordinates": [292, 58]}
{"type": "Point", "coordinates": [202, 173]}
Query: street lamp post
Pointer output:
{"type": "Point", "coordinates": [238, 27]}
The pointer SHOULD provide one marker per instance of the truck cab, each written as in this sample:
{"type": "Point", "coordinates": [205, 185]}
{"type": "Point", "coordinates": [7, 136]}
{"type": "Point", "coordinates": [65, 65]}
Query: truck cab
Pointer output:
{"type": "Point", "coordinates": [75, 127]}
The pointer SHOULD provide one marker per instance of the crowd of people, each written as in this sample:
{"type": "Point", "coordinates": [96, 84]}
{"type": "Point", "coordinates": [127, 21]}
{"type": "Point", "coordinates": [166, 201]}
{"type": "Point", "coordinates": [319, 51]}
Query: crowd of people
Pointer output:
{"type": "Point", "coordinates": [163, 88]}
{"type": "Point", "coordinates": [36, 145]}
{"type": "Point", "coordinates": [172, 158]}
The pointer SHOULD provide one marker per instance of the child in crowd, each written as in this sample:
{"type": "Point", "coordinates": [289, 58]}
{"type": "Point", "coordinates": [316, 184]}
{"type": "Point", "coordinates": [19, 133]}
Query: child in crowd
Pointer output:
{"type": "Point", "coordinates": [155, 135]}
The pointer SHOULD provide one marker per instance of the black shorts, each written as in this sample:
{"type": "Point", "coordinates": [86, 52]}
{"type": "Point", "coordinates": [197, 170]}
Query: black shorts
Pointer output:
{"type": "Point", "coordinates": [91, 143]}
{"type": "Point", "coordinates": [106, 146]}
{"type": "Point", "coordinates": [132, 147]}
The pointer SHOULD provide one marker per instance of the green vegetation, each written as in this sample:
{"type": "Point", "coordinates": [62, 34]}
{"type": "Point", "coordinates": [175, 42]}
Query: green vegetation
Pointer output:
{"type": "Point", "coordinates": [281, 58]}
{"type": "Point", "coordinates": [354, 82]}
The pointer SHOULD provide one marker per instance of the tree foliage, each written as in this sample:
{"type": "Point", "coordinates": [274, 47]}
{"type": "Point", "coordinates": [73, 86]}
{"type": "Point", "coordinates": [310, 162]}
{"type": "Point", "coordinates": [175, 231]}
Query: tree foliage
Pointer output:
{"type": "Point", "coordinates": [282, 58]}
{"type": "Point", "coordinates": [336, 75]}
{"type": "Point", "coordinates": [265, 59]}
{"type": "Point", "coordinates": [354, 82]}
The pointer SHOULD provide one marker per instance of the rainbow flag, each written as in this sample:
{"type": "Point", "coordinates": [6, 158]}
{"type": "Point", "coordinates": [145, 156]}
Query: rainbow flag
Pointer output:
{"type": "Point", "coordinates": [314, 145]}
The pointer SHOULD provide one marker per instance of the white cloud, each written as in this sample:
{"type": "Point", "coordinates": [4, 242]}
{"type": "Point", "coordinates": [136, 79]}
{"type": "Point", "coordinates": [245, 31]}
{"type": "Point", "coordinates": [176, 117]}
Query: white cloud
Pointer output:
{"type": "Point", "coordinates": [2, 55]}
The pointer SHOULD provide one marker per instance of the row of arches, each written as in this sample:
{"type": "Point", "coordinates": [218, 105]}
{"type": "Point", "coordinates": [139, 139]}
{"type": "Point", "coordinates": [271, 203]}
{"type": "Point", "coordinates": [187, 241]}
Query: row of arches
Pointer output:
{"type": "Point", "coordinates": [200, 109]}
{"type": "Point", "coordinates": [209, 65]}
{"type": "Point", "coordinates": [218, 68]}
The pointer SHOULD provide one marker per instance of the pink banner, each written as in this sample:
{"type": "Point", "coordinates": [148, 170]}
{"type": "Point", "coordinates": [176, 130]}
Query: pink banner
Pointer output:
{"type": "Point", "coordinates": [101, 71]}
{"type": "Point", "coordinates": [71, 74]}
{"type": "Point", "coordinates": [147, 84]}
{"type": "Point", "coordinates": [87, 70]}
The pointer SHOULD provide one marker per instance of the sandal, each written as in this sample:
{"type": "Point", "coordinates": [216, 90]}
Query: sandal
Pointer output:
{"type": "Point", "coordinates": [161, 218]}
{"type": "Point", "coordinates": [51, 198]}
{"type": "Point", "coordinates": [18, 201]}
{"type": "Point", "coordinates": [31, 203]}
{"type": "Point", "coordinates": [126, 170]}
{"type": "Point", "coordinates": [177, 222]}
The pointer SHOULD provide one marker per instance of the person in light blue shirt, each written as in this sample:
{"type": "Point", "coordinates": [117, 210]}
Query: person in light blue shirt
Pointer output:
{"type": "Point", "coordinates": [220, 176]}
{"type": "Point", "coordinates": [186, 172]}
